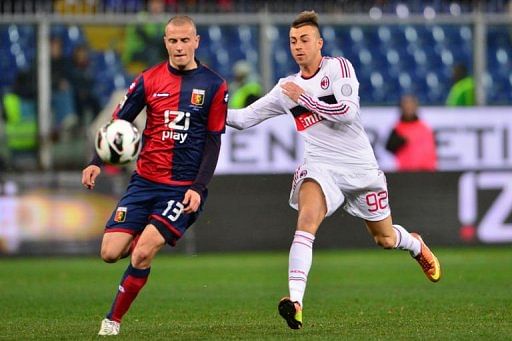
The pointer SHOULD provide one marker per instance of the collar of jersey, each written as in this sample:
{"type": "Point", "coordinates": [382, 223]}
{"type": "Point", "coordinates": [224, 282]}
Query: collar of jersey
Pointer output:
{"type": "Point", "coordinates": [313, 75]}
{"type": "Point", "coordinates": [183, 72]}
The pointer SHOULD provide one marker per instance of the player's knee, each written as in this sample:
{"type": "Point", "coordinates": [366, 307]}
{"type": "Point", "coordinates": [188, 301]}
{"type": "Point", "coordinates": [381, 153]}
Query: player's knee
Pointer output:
{"type": "Point", "coordinates": [109, 256]}
{"type": "Point", "coordinates": [385, 242]}
{"type": "Point", "coordinates": [141, 258]}
{"type": "Point", "coordinates": [308, 223]}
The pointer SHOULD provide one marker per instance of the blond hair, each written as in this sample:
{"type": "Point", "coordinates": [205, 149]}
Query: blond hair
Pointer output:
{"type": "Point", "coordinates": [179, 20]}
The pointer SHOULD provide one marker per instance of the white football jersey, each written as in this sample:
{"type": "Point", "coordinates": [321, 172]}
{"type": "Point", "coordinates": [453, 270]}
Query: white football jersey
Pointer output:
{"type": "Point", "coordinates": [327, 115]}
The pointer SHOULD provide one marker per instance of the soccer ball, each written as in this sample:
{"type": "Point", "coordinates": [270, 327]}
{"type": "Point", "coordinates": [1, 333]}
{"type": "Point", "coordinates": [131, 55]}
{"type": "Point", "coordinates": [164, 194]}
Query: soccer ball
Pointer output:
{"type": "Point", "coordinates": [117, 142]}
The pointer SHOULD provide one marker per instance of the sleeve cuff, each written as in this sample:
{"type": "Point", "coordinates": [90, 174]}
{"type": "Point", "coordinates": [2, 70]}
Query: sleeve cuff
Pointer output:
{"type": "Point", "coordinates": [96, 161]}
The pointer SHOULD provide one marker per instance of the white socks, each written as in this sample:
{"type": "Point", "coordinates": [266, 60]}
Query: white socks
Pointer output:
{"type": "Point", "coordinates": [404, 241]}
{"type": "Point", "coordinates": [299, 263]}
{"type": "Point", "coordinates": [301, 256]}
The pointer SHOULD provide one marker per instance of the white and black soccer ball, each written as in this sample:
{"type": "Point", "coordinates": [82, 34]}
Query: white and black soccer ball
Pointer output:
{"type": "Point", "coordinates": [117, 142]}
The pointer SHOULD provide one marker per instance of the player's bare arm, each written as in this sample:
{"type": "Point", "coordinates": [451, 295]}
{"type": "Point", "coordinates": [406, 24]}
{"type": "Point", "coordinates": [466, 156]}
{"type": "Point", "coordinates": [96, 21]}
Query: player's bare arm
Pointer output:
{"type": "Point", "coordinates": [89, 175]}
{"type": "Point", "coordinates": [292, 90]}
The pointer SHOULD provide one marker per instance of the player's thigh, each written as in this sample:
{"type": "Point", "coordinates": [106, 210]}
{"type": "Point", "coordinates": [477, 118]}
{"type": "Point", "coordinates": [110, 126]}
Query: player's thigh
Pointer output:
{"type": "Point", "coordinates": [150, 242]}
{"type": "Point", "coordinates": [114, 244]}
{"type": "Point", "coordinates": [132, 211]}
{"type": "Point", "coordinates": [332, 196]}
{"type": "Point", "coordinates": [312, 206]}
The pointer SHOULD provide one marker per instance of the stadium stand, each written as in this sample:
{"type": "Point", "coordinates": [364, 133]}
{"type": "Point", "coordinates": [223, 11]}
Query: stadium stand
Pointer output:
{"type": "Point", "coordinates": [390, 58]}
{"type": "Point", "coordinates": [406, 57]}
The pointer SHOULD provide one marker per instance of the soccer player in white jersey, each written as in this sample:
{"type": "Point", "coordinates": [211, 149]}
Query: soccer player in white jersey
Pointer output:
{"type": "Point", "coordinates": [339, 166]}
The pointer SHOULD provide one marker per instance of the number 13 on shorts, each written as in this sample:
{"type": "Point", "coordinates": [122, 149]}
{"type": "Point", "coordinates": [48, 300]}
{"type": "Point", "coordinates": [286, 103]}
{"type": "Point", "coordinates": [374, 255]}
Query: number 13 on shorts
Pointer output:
{"type": "Point", "coordinates": [173, 210]}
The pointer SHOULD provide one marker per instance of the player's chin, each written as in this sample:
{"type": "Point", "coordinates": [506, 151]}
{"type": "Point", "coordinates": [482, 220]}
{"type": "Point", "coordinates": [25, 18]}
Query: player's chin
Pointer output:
{"type": "Point", "coordinates": [181, 60]}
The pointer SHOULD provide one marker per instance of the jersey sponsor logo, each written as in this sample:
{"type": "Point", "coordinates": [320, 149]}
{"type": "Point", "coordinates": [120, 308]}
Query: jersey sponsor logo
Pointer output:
{"type": "Point", "coordinates": [174, 135]}
{"type": "Point", "coordinates": [197, 97]}
{"type": "Point", "coordinates": [120, 215]}
{"type": "Point", "coordinates": [324, 83]}
{"type": "Point", "coordinates": [161, 94]}
{"type": "Point", "coordinates": [306, 120]}
{"type": "Point", "coordinates": [346, 90]}
{"type": "Point", "coordinates": [178, 122]}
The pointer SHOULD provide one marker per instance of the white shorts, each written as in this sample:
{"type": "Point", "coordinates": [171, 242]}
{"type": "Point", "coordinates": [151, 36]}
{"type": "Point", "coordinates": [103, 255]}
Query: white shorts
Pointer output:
{"type": "Point", "coordinates": [363, 193]}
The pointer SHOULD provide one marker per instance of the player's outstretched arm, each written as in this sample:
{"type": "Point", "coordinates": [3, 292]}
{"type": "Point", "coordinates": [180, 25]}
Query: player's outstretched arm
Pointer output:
{"type": "Point", "coordinates": [264, 108]}
{"type": "Point", "coordinates": [89, 175]}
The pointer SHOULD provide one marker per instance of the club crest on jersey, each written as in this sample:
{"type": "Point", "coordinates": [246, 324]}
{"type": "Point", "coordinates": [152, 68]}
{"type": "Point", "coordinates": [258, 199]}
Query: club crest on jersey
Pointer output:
{"type": "Point", "coordinates": [197, 97]}
{"type": "Point", "coordinates": [324, 83]}
{"type": "Point", "coordinates": [120, 215]}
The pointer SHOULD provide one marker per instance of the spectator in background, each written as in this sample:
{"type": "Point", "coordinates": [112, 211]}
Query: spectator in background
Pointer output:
{"type": "Point", "coordinates": [412, 140]}
{"type": "Point", "coordinates": [20, 114]}
{"type": "Point", "coordinates": [82, 79]}
{"type": "Point", "coordinates": [143, 42]}
{"type": "Point", "coordinates": [462, 92]}
{"type": "Point", "coordinates": [246, 89]}
{"type": "Point", "coordinates": [62, 97]}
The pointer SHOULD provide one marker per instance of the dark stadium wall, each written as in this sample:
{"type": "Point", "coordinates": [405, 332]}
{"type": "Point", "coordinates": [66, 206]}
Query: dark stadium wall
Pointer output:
{"type": "Point", "coordinates": [53, 214]}
{"type": "Point", "coordinates": [252, 213]}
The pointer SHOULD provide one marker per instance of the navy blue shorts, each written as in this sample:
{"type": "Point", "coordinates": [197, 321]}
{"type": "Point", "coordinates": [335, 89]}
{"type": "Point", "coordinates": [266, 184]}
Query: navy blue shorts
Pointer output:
{"type": "Point", "coordinates": [147, 202]}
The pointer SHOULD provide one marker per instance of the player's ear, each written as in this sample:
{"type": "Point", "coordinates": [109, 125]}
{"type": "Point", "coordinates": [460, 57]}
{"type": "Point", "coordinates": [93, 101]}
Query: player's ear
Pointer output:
{"type": "Point", "coordinates": [198, 38]}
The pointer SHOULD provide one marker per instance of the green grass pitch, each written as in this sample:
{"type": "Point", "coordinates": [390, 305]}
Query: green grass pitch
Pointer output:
{"type": "Point", "coordinates": [352, 295]}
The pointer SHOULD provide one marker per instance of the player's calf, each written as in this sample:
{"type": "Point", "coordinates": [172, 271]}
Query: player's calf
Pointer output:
{"type": "Point", "coordinates": [386, 242]}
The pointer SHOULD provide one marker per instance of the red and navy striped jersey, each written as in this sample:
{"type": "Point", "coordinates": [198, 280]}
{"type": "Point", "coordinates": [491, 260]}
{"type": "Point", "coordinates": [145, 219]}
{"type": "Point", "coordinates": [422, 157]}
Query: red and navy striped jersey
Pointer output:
{"type": "Point", "coordinates": [182, 108]}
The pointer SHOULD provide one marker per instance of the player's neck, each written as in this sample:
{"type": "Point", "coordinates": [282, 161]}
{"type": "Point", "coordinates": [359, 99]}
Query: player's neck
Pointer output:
{"type": "Point", "coordinates": [190, 66]}
{"type": "Point", "coordinates": [309, 70]}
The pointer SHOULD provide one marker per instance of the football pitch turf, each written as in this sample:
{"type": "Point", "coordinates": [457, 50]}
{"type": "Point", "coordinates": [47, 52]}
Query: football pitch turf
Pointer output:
{"type": "Point", "coordinates": [352, 295]}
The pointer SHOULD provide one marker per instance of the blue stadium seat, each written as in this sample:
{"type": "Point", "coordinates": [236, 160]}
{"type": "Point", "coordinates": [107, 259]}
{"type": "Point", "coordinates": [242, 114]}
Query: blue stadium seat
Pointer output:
{"type": "Point", "coordinates": [223, 45]}
{"type": "Point", "coordinates": [71, 36]}
{"type": "Point", "coordinates": [109, 74]}
{"type": "Point", "coordinates": [17, 51]}
{"type": "Point", "coordinates": [499, 64]}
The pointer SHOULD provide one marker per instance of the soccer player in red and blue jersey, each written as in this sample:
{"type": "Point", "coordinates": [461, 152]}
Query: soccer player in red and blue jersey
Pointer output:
{"type": "Point", "coordinates": [186, 106]}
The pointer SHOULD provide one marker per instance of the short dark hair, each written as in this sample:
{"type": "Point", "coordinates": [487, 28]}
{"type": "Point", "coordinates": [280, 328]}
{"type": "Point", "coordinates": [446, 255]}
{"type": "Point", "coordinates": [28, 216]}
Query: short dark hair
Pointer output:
{"type": "Point", "coordinates": [306, 18]}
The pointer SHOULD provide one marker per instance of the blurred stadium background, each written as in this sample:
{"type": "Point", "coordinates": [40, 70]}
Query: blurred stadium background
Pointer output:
{"type": "Point", "coordinates": [396, 47]}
